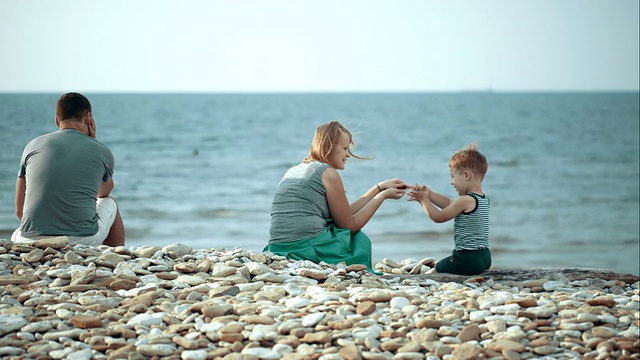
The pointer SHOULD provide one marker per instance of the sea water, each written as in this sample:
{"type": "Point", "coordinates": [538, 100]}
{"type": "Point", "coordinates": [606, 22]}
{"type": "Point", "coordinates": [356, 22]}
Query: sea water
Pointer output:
{"type": "Point", "coordinates": [201, 169]}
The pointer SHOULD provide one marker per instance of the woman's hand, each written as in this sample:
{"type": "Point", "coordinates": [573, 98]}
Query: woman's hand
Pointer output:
{"type": "Point", "coordinates": [392, 189]}
{"type": "Point", "coordinates": [395, 184]}
{"type": "Point", "coordinates": [392, 193]}
{"type": "Point", "coordinates": [419, 193]}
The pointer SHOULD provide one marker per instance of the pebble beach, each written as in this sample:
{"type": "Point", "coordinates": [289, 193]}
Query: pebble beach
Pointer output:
{"type": "Point", "coordinates": [173, 302]}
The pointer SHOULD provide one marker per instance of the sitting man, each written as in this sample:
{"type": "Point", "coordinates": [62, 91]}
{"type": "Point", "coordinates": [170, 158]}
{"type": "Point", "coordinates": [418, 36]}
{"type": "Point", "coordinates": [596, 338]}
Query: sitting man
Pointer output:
{"type": "Point", "coordinates": [64, 182]}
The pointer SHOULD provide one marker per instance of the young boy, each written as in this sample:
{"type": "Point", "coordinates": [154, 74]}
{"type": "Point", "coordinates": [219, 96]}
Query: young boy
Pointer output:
{"type": "Point", "coordinates": [470, 211]}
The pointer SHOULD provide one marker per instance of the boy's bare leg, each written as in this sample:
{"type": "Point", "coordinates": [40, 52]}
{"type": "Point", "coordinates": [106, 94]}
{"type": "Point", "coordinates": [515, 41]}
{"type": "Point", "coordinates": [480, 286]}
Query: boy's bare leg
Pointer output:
{"type": "Point", "coordinates": [116, 233]}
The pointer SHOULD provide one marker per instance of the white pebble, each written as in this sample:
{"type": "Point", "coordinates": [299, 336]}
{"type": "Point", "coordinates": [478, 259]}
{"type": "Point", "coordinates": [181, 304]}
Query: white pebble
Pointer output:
{"type": "Point", "coordinates": [11, 322]}
{"type": "Point", "coordinates": [190, 280]}
{"type": "Point", "coordinates": [552, 285]}
{"type": "Point", "coordinates": [477, 316]}
{"type": "Point", "coordinates": [84, 354]}
{"type": "Point", "coordinates": [262, 353]}
{"type": "Point", "coordinates": [146, 319]}
{"type": "Point", "coordinates": [199, 354]}
{"type": "Point", "coordinates": [297, 302]}
{"type": "Point", "coordinates": [399, 302]}
{"type": "Point", "coordinates": [312, 319]}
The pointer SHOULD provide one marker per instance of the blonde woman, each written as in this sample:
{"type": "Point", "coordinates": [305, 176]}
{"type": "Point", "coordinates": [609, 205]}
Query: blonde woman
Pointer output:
{"type": "Point", "coordinates": [311, 218]}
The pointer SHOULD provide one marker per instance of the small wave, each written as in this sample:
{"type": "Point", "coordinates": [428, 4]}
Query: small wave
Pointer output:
{"type": "Point", "coordinates": [588, 242]}
{"type": "Point", "coordinates": [501, 250]}
{"type": "Point", "coordinates": [502, 239]}
{"type": "Point", "coordinates": [146, 213]}
{"type": "Point", "coordinates": [6, 233]}
{"type": "Point", "coordinates": [420, 233]}
{"type": "Point", "coordinates": [505, 163]}
{"type": "Point", "coordinates": [416, 236]}
{"type": "Point", "coordinates": [218, 213]}
{"type": "Point", "coordinates": [134, 234]}
{"type": "Point", "coordinates": [635, 241]}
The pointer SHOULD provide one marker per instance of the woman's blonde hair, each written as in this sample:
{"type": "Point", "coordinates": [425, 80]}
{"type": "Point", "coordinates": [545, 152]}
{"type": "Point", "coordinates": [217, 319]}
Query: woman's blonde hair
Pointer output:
{"type": "Point", "coordinates": [470, 158]}
{"type": "Point", "coordinates": [325, 138]}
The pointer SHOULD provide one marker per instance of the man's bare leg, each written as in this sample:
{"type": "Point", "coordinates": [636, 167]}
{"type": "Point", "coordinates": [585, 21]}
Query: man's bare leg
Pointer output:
{"type": "Point", "coordinates": [116, 233]}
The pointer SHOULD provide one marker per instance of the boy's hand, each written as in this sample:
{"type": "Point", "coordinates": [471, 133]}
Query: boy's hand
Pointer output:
{"type": "Point", "coordinates": [419, 193]}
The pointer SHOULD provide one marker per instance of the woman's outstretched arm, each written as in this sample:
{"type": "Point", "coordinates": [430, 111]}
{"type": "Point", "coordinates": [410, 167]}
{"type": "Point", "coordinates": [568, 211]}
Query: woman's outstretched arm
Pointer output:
{"type": "Point", "coordinates": [343, 213]}
{"type": "Point", "coordinates": [380, 187]}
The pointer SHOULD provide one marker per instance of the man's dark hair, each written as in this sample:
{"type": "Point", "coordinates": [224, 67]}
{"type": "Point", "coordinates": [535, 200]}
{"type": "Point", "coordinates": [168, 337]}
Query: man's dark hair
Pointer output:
{"type": "Point", "coordinates": [72, 106]}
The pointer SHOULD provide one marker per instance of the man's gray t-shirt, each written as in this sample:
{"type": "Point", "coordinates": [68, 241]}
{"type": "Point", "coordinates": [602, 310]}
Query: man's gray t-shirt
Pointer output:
{"type": "Point", "coordinates": [63, 170]}
{"type": "Point", "coordinates": [299, 210]}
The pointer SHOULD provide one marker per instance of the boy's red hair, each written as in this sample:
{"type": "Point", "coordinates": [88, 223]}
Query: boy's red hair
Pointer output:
{"type": "Point", "coordinates": [471, 159]}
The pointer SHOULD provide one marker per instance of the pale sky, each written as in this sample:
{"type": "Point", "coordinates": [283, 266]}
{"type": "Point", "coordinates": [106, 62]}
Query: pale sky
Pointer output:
{"type": "Point", "coordinates": [318, 46]}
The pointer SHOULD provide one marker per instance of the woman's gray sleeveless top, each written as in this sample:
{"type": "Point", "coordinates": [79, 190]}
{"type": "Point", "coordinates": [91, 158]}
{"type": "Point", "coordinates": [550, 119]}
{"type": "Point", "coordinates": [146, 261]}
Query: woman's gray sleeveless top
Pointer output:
{"type": "Point", "coordinates": [299, 209]}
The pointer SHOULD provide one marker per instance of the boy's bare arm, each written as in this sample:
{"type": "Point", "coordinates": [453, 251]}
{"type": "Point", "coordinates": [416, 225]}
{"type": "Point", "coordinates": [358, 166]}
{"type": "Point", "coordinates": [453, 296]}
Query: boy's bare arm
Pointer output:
{"type": "Point", "coordinates": [423, 193]}
{"type": "Point", "coordinates": [432, 211]}
{"type": "Point", "coordinates": [439, 200]}
{"type": "Point", "coordinates": [431, 203]}
{"type": "Point", "coordinates": [450, 211]}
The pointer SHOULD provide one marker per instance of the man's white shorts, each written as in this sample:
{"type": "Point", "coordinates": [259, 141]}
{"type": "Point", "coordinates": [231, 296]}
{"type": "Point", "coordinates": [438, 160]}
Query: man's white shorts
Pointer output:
{"type": "Point", "coordinates": [106, 210]}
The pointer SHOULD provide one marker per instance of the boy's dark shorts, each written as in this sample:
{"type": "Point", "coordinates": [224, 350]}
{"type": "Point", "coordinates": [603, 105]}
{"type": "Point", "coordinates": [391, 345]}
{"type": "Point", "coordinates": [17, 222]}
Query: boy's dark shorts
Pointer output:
{"type": "Point", "coordinates": [465, 262]}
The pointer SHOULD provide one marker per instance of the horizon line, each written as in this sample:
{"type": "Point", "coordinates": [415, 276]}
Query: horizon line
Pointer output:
{"type": "Point", "coordinates": [322, 92]}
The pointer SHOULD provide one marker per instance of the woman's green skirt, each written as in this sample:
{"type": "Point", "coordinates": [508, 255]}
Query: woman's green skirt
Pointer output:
{"type": "Point", "coordinates": [333, 245]}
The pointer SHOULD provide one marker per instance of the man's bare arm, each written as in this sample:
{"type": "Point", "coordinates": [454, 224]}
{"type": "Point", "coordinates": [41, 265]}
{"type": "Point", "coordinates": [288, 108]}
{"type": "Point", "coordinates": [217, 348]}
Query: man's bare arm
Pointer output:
{"type": "Point", "coordinates": [105, 188]}
{"type": "Point", "coordinates": [21, 189]}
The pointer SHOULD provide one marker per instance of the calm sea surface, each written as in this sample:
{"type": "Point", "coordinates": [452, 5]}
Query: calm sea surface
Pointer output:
{"type": "Point", "coordinates": [201, 169]}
